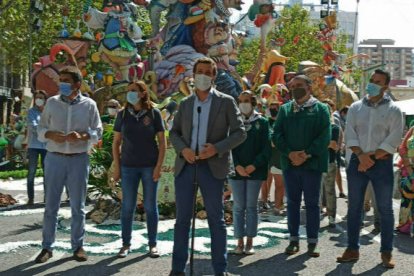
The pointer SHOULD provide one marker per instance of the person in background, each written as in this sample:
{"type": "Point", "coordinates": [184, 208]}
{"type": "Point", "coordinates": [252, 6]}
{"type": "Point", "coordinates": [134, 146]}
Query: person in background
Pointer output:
{"type": "Point", "coordinates": [302, 133]}
{"type": "Point", "coordinates": [35, 148]}
{"type": "Point", "coordinates": [69, 125]}
{"type": "Point", "coordinates": [138, 157]}
{"type": "Point", "coordinates": [275, 173]}
{"type": "Point", "coordinates": [340, 120]}
{"type": "Point", "coordinates": [406, 151]}
{"type": "Point", "coordinates": [328, 178]}
{"type": "Point", "coordinates": [111, 109]}
{"type": "Point", "coordinates": [251, 163]}
{"type": "Point", "coordinates": [373, 132]}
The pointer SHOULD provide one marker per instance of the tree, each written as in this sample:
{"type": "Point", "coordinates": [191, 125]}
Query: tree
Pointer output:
{"type": "Point", "coordinates": [299, 34]}
{"type": "Point", "coordinates": [15, 31]}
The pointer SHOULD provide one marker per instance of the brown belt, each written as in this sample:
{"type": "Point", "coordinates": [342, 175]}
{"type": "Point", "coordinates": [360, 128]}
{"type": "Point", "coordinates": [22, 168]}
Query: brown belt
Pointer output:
{"type": "Point", "coordinates": [68, 154]}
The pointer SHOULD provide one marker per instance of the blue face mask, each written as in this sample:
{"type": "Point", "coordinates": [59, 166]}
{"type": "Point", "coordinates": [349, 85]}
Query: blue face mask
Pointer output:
{"type": "Point", "coordinates": [132, 97]}
{"type": "Point", "coordinates": [373, 89]}
{"type": "Point", "coordinates": [65, 88]}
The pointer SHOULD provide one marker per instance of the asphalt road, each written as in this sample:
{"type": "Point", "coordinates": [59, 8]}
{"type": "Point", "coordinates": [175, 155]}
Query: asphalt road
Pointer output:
{"type": "Point", "coordinates": [21, 235]}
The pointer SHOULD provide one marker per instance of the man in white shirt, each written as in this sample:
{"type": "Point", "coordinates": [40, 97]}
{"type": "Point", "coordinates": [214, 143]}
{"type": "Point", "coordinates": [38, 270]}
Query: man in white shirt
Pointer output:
{"type": "Point", "coordinates": [373, 132]}
{"type": "Point", "coordinates": [69, 125]}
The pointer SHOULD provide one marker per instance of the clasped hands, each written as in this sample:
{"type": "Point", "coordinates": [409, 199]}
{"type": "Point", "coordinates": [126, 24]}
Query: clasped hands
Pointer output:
{"type": "Point", "coordinates": [297, 158]}
{"type": "Point", "coordinates": [60, 137]}
{"type": "Point", "coordinates": [245, 171]}
{"type": "Point", "coordinates": [367, 159]}
{"type": "Point", "coordinates": [208, 150]}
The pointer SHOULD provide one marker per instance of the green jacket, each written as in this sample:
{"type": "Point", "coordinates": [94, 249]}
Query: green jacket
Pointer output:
{"type": "Point", "coordinates": [255, 150]}
{"type": "Point", "coordinates": [308, 129]}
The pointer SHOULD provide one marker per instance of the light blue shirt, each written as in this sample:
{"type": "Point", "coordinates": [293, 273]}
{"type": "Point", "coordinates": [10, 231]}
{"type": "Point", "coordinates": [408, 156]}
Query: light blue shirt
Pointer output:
{"type": "Point", "coordinates": [33, 118]}
{"type": "Point", "coordinates": [204, 114]}
{"type": "Point", "coordinates": [374, 127]}
{"type": "Point", "coordinates": [80, 115]}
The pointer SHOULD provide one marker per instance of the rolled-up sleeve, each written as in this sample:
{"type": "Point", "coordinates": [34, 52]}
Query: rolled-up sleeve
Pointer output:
{"type": "Point", "coordinates": [351, 136]}
{"type": "Point", "coordinates": [95, 126]}
{"type": "Point", "coordinates": [393, 140]}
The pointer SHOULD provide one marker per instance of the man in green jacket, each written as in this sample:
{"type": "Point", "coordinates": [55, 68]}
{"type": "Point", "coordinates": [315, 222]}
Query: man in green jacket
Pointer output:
{"type": "Point", "coordinates": [302, 133]}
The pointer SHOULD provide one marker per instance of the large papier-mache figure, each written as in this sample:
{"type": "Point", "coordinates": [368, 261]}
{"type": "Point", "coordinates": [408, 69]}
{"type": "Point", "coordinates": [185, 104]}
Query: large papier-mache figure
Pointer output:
{"type": "Point", "coordinates": [118, 45]}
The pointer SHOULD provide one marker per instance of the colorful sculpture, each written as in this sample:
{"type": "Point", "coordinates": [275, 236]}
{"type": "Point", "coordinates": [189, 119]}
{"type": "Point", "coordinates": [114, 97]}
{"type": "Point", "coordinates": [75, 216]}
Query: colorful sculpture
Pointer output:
{"type": "Point", "coordinates": [118, 46]}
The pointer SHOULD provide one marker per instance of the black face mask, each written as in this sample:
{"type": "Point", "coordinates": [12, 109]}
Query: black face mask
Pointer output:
{"type": "Point", "coordinates": [273, 112]}
{"type": "Point", "coordinates": [298, 93]}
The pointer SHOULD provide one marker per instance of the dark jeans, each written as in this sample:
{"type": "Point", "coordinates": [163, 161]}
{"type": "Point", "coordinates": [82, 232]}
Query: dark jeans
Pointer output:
{"type": "Point", "coordinates": [130, 181]}
{"type": "Point", "coordinates": [33, 156]}
{"type": "Point", "coordinates": [212, 192]}
{"type": "Point", "coordinates": [308, 182]}
{"type": "Point", "coordinates": [381, 176]}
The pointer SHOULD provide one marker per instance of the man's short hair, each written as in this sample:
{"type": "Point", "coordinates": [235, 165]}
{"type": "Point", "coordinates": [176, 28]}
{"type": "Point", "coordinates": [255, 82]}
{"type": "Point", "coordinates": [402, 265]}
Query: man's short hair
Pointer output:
{"type": "Point", "coordinates": [73, 71]}
{"type": "Point", "coordinates": [304, 78]}
{"type": "Point", "coordinates": [384, 73]}
{"type": "Point", "coordinates": [206, 60]}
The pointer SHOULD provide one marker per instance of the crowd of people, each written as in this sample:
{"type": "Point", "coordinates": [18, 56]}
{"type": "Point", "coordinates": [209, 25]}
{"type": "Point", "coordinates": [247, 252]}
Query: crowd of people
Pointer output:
{"type": "Point", "coordinates": [297, 145]}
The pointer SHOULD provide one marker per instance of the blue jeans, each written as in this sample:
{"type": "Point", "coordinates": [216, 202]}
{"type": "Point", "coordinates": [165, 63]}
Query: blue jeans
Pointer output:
{"type": "Point", "coordinates": [130, 181]}
{"type": "Point", "coordinates": [72, 172]}
{"type": "Point", "coordinates": [212, 192]}
{"type": "Point", "coordinates": [382, 179]}
{"type": "Point", "coordinates": [33, 156]}
{"type": "Point", "coordinates": [298, 180]}
{"type": "Point", "coordinates": [245, 212]}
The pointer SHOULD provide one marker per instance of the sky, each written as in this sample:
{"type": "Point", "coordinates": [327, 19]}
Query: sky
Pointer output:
{"type": "Point", "coordinates": [385, 19]}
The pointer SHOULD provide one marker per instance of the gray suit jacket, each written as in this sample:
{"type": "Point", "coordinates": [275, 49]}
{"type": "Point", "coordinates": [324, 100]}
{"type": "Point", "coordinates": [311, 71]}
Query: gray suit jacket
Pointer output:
{"type": "Point", "coordinates": [225, 131]}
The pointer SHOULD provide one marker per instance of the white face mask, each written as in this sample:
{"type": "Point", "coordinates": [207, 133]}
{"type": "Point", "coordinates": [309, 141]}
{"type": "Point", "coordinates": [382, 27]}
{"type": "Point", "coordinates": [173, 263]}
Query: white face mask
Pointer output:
{"type": "Point", "coordinates": [245, 108]}
{"type": "Point", "coordinates": [111, 111]}
{"type": "Point", "coordinates": [202, 82]}
{"type": "Point", "coordinates": [39, 102]}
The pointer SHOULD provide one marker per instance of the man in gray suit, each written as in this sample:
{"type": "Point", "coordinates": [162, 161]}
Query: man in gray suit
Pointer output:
{"type": "Point", "coordinates": [215, 120]}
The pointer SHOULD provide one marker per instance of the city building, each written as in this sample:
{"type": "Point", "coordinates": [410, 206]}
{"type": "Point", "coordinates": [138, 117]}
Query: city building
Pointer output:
{"type": "Point", "coordinates": [396, 60]}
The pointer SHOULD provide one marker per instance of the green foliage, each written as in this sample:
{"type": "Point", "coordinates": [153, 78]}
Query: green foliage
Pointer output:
{"type": "Point", "coordinates": [299, 25]}
{"type": "Point", "coordinates": [248, 55]}
{"type": "Point", "coordinates": [100, 162]}
{"type": "Point", "coordinates": [18, 174]}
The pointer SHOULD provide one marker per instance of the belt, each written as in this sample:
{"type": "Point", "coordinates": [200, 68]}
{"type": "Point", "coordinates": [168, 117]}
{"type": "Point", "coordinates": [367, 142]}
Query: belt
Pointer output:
{"type": "Point", "coordinates": [68, 154]}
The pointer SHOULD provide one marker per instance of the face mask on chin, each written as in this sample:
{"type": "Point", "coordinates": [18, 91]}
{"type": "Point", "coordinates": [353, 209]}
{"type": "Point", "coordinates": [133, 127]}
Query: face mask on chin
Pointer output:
{"type": "Point", "coordinates": [202, 82]}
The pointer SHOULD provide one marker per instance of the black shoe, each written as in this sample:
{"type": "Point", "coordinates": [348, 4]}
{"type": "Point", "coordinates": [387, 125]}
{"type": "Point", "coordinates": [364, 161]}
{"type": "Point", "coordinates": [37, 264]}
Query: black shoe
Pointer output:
{"type": "Point", "coordinates": [176, 273]}
{"type": "Point", "coordinates": [342, 195]}
{"type": "Point", "coordinates": [43, 256]}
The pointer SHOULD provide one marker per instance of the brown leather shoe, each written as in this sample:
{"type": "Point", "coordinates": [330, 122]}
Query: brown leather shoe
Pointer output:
{"type": "Point", "coordinates": [43, 256]}
{"type": "Point", "coordinates": [349, 255]}
{"type": "Point", "coordinates": [387, 260]}
{"type": "Point", "coordinates": [80, 255]}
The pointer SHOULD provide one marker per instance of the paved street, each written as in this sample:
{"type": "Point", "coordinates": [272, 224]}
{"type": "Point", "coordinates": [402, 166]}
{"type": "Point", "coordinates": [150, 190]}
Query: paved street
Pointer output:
{"type": "Point", "coordinates": [20, 240]}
